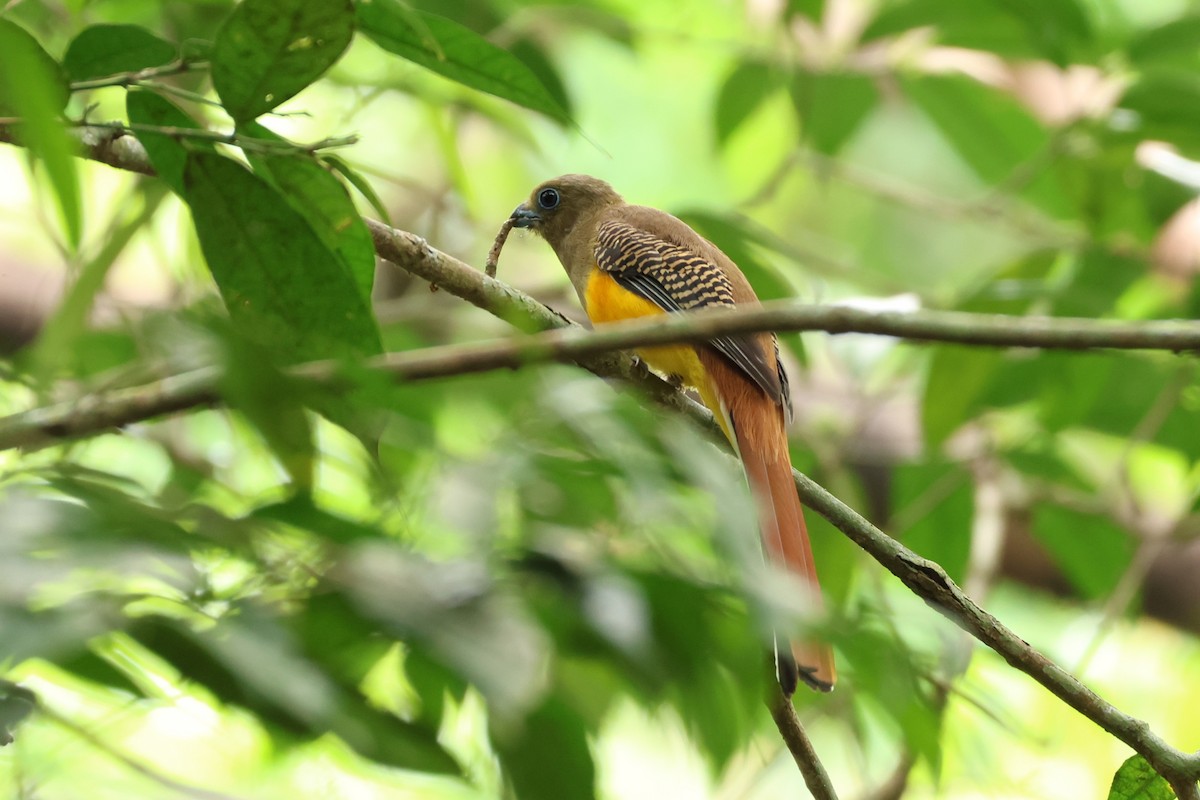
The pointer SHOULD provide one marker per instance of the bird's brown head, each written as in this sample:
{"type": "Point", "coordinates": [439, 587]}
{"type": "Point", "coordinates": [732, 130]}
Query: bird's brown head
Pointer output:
{"type": "Point", "coordinates": [555, 207]}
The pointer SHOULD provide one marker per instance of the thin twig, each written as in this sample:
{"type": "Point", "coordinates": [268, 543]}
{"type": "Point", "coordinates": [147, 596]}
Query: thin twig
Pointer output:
{"type": "Point", "coordinates": [799, 745]}
{"type": "Point", "coordinates": [138, 76]}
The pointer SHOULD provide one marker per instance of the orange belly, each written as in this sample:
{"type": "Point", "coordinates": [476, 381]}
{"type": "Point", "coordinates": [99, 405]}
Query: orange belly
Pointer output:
{"type": "Point", "coordinates": [608, 301]}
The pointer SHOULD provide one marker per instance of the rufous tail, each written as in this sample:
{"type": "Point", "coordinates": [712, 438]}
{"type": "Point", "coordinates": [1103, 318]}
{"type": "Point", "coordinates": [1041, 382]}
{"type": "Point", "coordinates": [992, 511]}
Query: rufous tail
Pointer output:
{"type": "Point", "coordinates": [758, 427]}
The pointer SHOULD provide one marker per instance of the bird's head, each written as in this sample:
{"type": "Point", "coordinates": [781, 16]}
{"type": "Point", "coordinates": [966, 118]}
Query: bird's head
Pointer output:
{"type": "Point", "coordinates": [556, 206]}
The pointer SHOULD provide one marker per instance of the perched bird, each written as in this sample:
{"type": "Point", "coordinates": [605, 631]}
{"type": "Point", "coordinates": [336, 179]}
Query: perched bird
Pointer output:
{"type": "Point", "coordinates": [630, 261]}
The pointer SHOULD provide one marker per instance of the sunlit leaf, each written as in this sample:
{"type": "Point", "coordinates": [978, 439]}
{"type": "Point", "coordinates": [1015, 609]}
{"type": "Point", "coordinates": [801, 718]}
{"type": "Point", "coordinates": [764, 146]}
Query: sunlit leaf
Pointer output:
{"type": "Point", "coordinates": [1137, 780]}
{"type": "Point", "coordinates": [1092, 551]}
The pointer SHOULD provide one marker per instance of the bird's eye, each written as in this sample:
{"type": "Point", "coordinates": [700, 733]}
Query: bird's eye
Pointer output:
{"type": "Point", "coordinates": [548, 199]}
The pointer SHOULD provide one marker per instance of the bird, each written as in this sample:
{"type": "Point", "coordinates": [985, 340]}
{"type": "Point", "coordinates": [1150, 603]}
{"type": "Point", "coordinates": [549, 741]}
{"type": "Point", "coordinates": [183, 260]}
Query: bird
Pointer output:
{"type": "Point", "coordinates": [627, 261]}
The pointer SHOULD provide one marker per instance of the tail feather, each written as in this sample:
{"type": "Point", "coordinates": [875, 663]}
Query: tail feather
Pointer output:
{"type": "Point", "coordinates": [755, 423]}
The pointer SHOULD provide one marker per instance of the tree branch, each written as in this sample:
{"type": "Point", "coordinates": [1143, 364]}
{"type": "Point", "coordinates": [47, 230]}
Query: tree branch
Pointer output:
{"type": "Point", "coordinates": [798, 744]}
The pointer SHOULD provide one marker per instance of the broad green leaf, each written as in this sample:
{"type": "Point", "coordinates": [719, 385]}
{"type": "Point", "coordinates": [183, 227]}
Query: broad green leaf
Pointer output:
{"type": "Point", "coordinates": [321, 199]}
{"type": "Point", "coordinates": [744, 90]}
{"type": "Point", "coordinates": [1091, 550]}
{"type": "Point", "coordinates": [991, 132]}
{"type": "Point", "coordinates": [34, 89]}
{"type": "Point", "coordinates": [282, 286]}
{"type": "Point", "coordinates": [813, 9]}
{"type": "Point", "coordinates": [168, 154]}
{"type": "Point", "coordinates": [1058, 29]}
{"type": "Point", "coordinates": [958, 376]}
{"type": "Point", "coordinates": [103, 50]}
{"type": "Point", "coordinates": [1137, 780]}
{"type": "Point", "coordinates": [447, 48]}
{"type": "Point", "coordinates": [831, 105]}
{"type": "Point", "coordinates": [268, 50]}
{"type": "Point", "coordinates": [568, 775]}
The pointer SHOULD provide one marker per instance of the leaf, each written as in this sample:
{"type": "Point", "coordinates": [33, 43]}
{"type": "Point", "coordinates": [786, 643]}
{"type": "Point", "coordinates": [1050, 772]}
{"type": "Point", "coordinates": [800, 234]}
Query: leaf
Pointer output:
{"type": "Point", "coordinates": [34, 89]}
{"type": "Point", "coordinates": [1137, 780]}
{"type": "Point", "coordinates": [167, 154]}
{"type": "Point", "coordinates": [831, 105]}
{"type": "Point", "coordinates": [452, 51]}
{"type": "Point", "coordinates": [958, 376]}
{"type": "Point", "coordinates": [1092, 551]}
{"type": "Point", "coordinates": [272, 403]}
{"type": "Point", "coordinates": [355, 179]}
{"type": "Point", "coordinates": [56, 343]}
{"type": "Point", "coordinates": [321, 199]}
{"type": "Point", "coordinates": [1176, 44]}
{"type": "Point", "coordinates": [102, 50]}
{"type": "Point", "coordinates": [569, 775]}
{"type": "Point", "coordinates": [1167, 107]}
{"type": "Point", "coordinates": [282, 286]}
{"type": "Point", "coordinates": [268, 50]}
{"type": "Point", "coordinates": [1056, 29]}
{"type": "Point", "coordinates": [990, 131]}
{"type": "Point", "coordinates": [744, 90]}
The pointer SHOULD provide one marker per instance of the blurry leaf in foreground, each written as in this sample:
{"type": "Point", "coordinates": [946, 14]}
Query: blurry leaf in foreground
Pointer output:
{"type": "Point", "coordinates": [33, 88]}
{"type": "Point", "coordinates": [1137, 780]}
{"type": "Point", "coordinates": [548, 757]}
{"type": "Point", "coordinates": [744, 90]}
{"type": "Point", "coordinates": [16, 703]}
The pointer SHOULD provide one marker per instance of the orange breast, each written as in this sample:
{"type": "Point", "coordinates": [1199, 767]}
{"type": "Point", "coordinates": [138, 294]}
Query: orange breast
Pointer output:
{"type": "Point", "coordinates": [608, 301]}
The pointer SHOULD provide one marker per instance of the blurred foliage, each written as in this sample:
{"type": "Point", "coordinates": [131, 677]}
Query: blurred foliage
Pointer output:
{"type": "Point", "coordinates": [483, 586]}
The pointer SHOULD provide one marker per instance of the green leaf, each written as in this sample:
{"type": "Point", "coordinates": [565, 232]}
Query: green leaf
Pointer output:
{"type": "Point", "coordinates": [282, 286]}
{"type": "Point", "coordinates": [958, 376]}
{"type": "Point", "coordinates": [1176, 44]}
{"type": "Point", "coordinates": [268, 50]}
{"type": "Point", "coordinates": [355, 179]}
{"type": "Point", "coordinates": [272, 403]}
{"type": "Point", "coordinates": [321, 199]}
{"type": "Point", "coordinates": [1092, 551]}
{"type": "Point", "coordinates": [1137, 780]}
{"type": "Point", "coordinates": [168, 154]}
{"type": "Point", "coordinates": [1056, 29]}
{"type": "Point", "coordinates": [34, 89]}
{"type": "Point", "coordinates": [990, 130]}
{"type": "Point", "coordinates": [744, 90]}
{"type": "Point", "coordinates": [447, 48]}
{"type": "Point", "coordinates": [978, 26]}
{"type": "Point", "coordinates": [568, 775]}
{"type": "Point", "coordinates": [55, 346]}
{"type": "Point", "coordinates": [831, 105]}
{"type": "Point", "coordinates": [102, 50]}
{"type": "Point", "coordinates": [1167, 107]}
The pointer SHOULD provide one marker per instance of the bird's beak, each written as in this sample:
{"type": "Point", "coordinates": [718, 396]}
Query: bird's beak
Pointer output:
{"type": "Point", "coordinates": [525, 217]}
